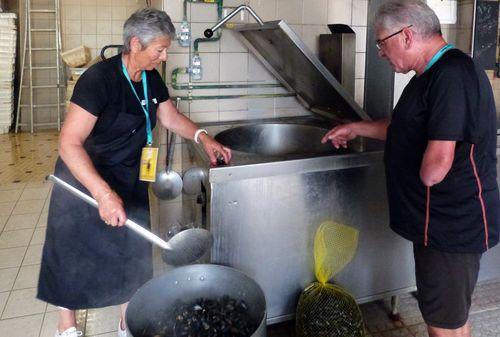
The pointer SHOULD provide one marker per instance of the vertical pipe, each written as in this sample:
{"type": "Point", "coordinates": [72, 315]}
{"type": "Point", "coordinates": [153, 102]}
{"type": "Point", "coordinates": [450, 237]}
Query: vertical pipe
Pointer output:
{"type": "Point", "coordinates": [473, 28]}
{"type": "Point", "coordinates": [201, 40]}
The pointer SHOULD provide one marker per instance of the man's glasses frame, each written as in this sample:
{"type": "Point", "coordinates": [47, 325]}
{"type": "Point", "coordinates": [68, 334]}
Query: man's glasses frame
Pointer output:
{"type": "Point", "coordinates": [380, 43]}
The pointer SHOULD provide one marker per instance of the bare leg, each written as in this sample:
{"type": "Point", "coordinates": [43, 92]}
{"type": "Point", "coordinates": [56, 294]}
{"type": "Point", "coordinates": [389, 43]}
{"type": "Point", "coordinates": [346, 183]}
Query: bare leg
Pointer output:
{"type": "Point", "coordinates": [123, 309]}
{"type": "Point", "coordinates": [67, 319]}
{"type": "Point", "coordinates": [464, 331]}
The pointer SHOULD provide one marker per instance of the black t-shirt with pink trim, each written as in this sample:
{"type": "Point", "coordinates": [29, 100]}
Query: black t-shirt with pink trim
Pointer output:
{"type": "Point", "coordinates": [452, 100]}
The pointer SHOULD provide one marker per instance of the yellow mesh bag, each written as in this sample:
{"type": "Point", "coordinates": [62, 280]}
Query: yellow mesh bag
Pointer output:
{"type": "Point", "coordinates": [324, 309]}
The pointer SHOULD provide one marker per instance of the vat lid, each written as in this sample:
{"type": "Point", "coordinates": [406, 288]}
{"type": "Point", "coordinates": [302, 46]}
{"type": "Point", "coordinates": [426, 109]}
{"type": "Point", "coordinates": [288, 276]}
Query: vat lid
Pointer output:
{"type": "Point", "coordinates": [286, 56]}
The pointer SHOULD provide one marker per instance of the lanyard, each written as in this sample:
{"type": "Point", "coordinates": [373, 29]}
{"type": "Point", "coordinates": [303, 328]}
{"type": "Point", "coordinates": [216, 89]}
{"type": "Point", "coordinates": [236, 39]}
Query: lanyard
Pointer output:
{"type": "Point", "coordinates": [438, 55]}
{"type": "Point", "coordinates": [144, 104]}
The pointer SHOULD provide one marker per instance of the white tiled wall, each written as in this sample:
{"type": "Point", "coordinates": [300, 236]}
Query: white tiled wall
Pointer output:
{"type": "Point", "coordinates": [95, 23]}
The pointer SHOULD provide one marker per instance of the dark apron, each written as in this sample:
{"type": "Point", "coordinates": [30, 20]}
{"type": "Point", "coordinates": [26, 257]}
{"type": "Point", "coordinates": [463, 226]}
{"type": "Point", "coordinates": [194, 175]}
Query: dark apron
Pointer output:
{"type": "Point", "coordinates": [85, 263]}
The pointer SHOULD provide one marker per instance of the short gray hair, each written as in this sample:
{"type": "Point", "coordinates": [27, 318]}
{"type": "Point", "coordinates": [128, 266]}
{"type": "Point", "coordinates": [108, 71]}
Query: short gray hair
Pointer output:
{"type": "Point", "coordinates": [146, 24]}
{"type": "Point", "coordinates": [399, 14]}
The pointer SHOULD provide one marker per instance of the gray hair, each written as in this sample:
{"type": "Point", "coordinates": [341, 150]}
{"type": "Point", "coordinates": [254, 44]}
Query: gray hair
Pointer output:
{"type": "Point", "coordinates": [399, 14]}
{"type": "Point", "coordinates": [146, 24]}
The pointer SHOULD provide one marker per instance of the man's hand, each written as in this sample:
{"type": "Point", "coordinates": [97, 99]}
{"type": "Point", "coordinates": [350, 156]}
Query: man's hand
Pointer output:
{"type": "Point", "coordinates": [340, 135]}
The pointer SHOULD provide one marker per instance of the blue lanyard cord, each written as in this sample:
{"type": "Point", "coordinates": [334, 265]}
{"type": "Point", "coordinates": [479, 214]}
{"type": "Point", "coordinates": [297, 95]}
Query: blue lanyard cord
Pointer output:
{"type": "Point", "coordinates": [438, 55]}
{"type": "Point", "coordinates": [145, 107]}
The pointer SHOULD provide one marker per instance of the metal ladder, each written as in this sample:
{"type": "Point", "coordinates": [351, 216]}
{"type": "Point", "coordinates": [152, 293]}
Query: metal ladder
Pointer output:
{"type": "Point", "coordinates": [53, 15]}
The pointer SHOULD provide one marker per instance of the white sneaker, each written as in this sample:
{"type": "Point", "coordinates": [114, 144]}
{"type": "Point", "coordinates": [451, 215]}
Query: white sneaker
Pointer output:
{"type": "Point", "coordinates": [71, 332]}
{"type": "Point", "coordinates": [121, 333]}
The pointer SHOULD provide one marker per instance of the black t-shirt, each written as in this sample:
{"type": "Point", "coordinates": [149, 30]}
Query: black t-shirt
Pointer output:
{"type": "Point", "coordinates": [120, 130]}
{"type": "Point", "coordinates": [453, 101]}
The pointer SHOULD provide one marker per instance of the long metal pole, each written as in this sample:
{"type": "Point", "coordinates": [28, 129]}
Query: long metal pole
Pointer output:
{"type": "Point", "coordinates": [129, 223]}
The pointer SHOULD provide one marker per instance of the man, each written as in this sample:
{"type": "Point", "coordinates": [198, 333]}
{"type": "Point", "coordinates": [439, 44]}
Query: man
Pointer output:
{"type": "Point", "coordinates": [440, 158]}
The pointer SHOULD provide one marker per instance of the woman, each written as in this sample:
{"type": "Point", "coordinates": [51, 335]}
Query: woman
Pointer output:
{"type": "Point", "coordinates": [89, 259]}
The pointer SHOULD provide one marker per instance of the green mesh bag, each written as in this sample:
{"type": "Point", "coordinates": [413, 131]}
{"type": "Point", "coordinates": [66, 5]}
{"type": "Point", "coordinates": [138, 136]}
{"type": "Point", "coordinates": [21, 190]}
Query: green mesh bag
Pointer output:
{"type": "Point", "coordinates": [324, 309]}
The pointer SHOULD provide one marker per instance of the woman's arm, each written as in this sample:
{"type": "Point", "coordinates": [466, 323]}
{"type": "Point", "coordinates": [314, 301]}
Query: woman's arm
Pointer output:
{"type": "Point", "coordinates": [77, 127]}
{"type": "Point", "coordinates": [172, 119]}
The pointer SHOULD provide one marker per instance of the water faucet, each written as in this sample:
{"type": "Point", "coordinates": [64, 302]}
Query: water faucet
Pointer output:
{"type": "Point", "coordinates": [210, 31]}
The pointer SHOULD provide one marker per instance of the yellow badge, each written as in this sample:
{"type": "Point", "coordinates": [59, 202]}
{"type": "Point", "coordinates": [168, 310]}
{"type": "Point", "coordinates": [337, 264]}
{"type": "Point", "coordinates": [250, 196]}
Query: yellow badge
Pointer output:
{"type": "Point", "coordinates": [149, 159]}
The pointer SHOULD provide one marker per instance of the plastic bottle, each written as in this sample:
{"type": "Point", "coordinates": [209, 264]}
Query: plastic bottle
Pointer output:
{"type": "Point", "coordinates": [196, 71]}
{"type": "Point", "coordinates": [185, 34]}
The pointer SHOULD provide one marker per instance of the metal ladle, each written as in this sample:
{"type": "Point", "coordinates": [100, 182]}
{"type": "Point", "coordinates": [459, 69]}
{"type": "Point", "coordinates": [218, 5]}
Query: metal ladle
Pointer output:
{"type": "Point", "coordinates": [168, 183]}
{"type": "Point", "coordinates": [183, 248]}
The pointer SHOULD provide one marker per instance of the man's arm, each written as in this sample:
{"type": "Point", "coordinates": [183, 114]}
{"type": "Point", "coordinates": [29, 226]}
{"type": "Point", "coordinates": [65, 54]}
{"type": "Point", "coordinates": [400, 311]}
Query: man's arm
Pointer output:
{"type": "Point", "coordinates": [437, 161]}
{"type": "Point", "coordinates": [341, 134]}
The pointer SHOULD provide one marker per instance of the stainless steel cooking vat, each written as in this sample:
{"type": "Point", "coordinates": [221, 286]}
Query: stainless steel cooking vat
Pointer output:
{"type": "Point", "coordinates": [277, 139]}
{"type": "Point", "coordinates": [282, 183]}
{"type": "Point", "coordinates": [263, 211]}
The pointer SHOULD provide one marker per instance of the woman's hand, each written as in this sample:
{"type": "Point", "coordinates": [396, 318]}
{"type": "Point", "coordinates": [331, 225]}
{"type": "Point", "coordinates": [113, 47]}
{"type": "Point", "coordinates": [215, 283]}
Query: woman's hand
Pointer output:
{"type": "Point", "coordinates": [111, 209]}
{"type": "Point", "coordinates": [214, 149]}
{"type": "Point", "coordinates": [340, 135]}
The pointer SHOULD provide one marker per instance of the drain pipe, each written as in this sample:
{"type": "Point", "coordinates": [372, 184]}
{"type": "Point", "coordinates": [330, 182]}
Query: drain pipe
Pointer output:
{"type": "Point", "coordinates": [201, 40]}
{"type": "Point", "coordinates": [200, 98]}
{"type": "Point", "coordinates": [190, 86]}
{"type": "Point", "coordinates": [219, 17]}
{"type": "Point", "coordinates": [190, 97]}
{"type": "Point", "coordinates": [184, 70]}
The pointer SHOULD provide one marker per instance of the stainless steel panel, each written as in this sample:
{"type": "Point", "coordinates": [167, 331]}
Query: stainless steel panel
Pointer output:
{"type": "Point", "coordinates": [284, 54]}
{"type": "Point", "coordinates": [265, 227]}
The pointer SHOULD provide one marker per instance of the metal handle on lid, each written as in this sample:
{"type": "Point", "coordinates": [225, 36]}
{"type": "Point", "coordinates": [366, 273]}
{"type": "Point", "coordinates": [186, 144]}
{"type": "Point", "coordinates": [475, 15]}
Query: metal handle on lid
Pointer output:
{"type": "Point", "coordinates": [210, 32]}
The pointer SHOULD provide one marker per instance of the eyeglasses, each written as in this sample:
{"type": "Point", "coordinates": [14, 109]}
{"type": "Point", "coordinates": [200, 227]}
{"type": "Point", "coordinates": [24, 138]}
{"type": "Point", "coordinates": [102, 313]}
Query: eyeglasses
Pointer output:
{"type": "Point", "coordinates": [380, 43]}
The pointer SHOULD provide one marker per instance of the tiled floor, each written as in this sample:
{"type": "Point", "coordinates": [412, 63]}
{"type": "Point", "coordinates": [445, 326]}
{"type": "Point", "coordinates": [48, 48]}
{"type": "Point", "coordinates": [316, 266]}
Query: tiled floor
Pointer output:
{"type": "Point", "coordinates": [23, 216]}
{"type": "Point", "coordinates": [26, 157]}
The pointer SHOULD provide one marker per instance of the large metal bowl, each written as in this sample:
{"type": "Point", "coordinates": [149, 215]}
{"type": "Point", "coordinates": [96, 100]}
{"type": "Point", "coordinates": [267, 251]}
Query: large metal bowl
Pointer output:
{"type": "Point", "coordinates": [155, 303]}
{"type": "Point", "coordinates": [278, 139]}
